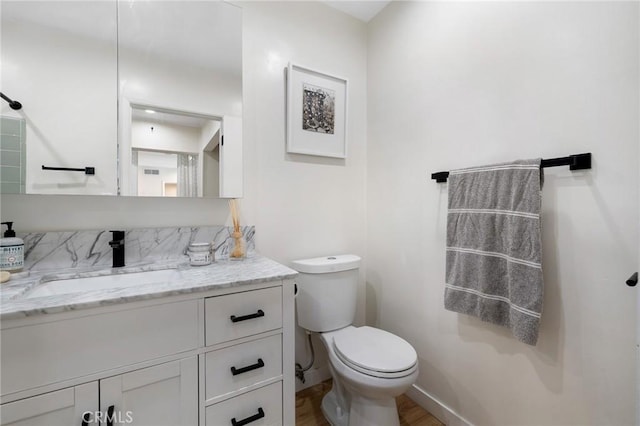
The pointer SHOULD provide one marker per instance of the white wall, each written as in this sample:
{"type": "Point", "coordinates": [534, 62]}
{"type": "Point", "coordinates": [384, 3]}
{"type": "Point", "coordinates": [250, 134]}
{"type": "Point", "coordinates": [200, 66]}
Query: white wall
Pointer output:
{"type": "Point", "coordinates": [454, 84]}
{"type": "Point", "coordinates": [303, 206]}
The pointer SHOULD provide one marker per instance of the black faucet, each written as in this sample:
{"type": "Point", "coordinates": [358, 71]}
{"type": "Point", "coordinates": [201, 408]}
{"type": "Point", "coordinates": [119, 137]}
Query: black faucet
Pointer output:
{"type": "Point", "coordinates": [117, 244]}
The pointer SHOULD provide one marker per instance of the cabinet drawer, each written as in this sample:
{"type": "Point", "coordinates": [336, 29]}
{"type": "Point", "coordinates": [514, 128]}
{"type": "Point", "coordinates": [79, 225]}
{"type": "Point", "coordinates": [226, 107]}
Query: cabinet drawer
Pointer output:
{"type": "Point", "coordinates": [252, 362]}
{"type": "Point", "coordinates": [243, 314]}
{"type": "Point", "coordinates": [51, 352]}
{"type": "Point", "coordinates": [263, 406]}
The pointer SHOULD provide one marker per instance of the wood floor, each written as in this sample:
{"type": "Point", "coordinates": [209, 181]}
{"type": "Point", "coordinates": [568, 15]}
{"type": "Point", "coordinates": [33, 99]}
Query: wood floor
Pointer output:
{"type": "Point", "coordinates": [309, 413]}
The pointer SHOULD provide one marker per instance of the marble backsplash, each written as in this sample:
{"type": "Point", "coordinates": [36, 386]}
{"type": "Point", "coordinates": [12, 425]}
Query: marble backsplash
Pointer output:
{"type": "Point", "coordinates": [90, 249]}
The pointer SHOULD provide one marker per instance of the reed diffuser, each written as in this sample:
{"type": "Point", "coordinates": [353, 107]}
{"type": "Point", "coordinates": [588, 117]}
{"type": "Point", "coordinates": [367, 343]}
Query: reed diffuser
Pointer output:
{"type": "Point", "coordinates": [238, 249]}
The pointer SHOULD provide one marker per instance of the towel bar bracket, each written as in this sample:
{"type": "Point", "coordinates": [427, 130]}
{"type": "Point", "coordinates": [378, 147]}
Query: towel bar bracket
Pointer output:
{"type": "Point", "coordinates": [633, 280]}
{"type": "Point", "coordinates": [575, 162]}
{"type": "Point", "coordinates": [440, 177]}
{"type": "Point", "coordinates": [580, 161]}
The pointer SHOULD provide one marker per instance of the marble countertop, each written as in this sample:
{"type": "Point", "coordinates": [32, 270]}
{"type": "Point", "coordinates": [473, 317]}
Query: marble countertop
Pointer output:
{"type": "Point", "coordinates": [16, 303]}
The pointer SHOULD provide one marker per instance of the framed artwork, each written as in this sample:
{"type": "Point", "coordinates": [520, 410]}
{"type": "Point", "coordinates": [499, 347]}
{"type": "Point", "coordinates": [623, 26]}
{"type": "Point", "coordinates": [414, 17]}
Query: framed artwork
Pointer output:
{"type": "Point", "coordinates": [316, 113]}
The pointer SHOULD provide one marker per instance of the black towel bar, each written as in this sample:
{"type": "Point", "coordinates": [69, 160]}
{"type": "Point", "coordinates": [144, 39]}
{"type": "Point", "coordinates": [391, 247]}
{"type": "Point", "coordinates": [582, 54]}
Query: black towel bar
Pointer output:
{"type": "Point", "coordinates": [12, 104]}
{"type": "Point", "coordinates": [86, 170]}
{"type": "Point", "coordinates": [575, 162]}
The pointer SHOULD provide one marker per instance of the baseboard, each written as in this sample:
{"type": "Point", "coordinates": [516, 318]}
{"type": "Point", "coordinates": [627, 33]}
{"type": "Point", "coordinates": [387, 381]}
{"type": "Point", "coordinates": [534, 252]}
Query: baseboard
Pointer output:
{"type": "Point", "coordinates": [313, 377]}
{"type": "Point", "coordinates": [443, 413]}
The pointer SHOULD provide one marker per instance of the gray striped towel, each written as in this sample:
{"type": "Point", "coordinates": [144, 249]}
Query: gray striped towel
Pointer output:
{"type": "Point", "coordinates": [494, 250]}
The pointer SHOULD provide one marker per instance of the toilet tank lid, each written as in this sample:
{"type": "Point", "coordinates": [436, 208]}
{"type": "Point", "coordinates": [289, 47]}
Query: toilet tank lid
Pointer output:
{"type": "Point", "coordinates": [322, 265]}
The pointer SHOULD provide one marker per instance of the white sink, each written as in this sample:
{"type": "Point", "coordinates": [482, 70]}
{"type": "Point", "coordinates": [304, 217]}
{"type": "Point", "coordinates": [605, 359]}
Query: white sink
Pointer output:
{"type": "Point", "coordinates": [104, 282]}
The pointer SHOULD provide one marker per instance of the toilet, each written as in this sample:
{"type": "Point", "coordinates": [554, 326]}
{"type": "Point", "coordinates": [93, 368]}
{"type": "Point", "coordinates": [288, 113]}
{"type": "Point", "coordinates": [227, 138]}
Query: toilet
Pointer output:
{"type": "Point", "coordinates": [369, 366]}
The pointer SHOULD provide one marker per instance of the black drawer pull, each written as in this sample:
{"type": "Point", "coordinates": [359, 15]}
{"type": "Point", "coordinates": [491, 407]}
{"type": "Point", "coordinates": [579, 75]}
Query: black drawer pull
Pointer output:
{"type": "Point", "coordinates": [236, 371]}
{"type": "Point", "coordinates": [248, 420]}
{"type": "Point", "coordinates": [258, 314]}
{"type": "Point", "coordinates": [85, 419]}
{"type": "Point", "coordinates": [110, 416]}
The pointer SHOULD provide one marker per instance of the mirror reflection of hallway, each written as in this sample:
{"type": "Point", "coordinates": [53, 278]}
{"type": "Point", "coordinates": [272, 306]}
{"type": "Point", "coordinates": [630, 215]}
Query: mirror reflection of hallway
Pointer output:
{"type": "Point", "coordinates": [171, 147]}
{"type": "Point", "coordinates": [170, 189]}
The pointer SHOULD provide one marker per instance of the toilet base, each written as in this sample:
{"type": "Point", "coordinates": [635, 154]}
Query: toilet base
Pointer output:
{"type": "Point", "coordinates": [332, 412]}
{"type": "Point", "coordinates": [368, 412]}
{"type": "Point", "coordinates": [362, 411]}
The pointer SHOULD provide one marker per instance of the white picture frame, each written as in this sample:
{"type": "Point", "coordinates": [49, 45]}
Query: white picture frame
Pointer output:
{"type": "Point", "coordinates": [316, 113]}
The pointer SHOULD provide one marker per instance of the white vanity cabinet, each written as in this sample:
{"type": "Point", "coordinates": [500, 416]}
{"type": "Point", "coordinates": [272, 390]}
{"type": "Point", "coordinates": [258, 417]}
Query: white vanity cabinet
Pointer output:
{"type": "Point", "coordinates": [220, 357]}
{"type": "Point", "coordinates": [162, 395]}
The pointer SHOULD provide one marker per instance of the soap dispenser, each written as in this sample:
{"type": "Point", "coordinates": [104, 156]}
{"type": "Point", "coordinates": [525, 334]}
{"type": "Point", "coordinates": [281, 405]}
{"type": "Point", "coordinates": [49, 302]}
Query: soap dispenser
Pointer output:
{"type": "Point", "coordinates": [11, 250]}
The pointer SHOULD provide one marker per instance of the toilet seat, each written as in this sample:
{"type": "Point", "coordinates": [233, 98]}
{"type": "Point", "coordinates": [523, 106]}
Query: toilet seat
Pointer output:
{"type": "Point", "coordinates": [375, 352]}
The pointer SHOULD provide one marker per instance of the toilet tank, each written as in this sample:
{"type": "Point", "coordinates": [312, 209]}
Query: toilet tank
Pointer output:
{"type": "Point", "coordinates": [327, 292]}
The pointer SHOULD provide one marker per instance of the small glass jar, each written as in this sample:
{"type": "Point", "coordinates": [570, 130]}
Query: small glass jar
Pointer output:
{"type": "Point", "coordinates": [237, 246]}
{"type": "Point", "coordinates": [200, 254]}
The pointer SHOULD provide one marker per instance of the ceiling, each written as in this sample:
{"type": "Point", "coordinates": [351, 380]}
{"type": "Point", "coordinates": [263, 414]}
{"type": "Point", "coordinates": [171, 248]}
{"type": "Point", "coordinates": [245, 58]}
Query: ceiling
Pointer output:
{"type": "Point", "coordinates": [363, 10]}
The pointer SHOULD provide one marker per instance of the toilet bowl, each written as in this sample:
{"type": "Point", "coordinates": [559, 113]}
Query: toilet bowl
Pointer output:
{"type": "Point", "coordinates": [373, 367]}
{"type": "Point", "coordinates": [370, 367]}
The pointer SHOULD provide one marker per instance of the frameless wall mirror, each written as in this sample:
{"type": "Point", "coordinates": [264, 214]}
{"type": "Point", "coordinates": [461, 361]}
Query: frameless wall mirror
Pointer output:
{"type": "Point", "coordinates": [59, 60]}
{"type": "Point", "coordinates": [81, 70]}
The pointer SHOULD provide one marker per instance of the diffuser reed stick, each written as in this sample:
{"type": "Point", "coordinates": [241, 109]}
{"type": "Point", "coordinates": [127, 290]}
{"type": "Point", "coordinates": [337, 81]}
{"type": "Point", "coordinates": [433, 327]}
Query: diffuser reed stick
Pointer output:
{"type": "Point", "coordinates": [238, 249]}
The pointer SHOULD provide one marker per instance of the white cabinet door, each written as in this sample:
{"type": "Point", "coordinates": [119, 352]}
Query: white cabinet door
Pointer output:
{"type": "Point", "coordinates": [60, 408]}
{"type": "Point", "coordinates": [231, 176]}
{"type": "Point", "coordinates": [165, 394]}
